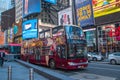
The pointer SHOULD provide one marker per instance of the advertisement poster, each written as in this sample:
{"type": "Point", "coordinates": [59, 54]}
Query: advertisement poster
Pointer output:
{"type": "Point", "coordinates": [84, 13]}
{"type": "Point", "coordinates": [1, 38]}
{"type": "Point", "coordinates": [105, 7]}
{"type": "Point", "coordinates": [65, 17]}
{"type": "Point", "coordinates": [29, 29]}
{"type": "Point", "coordinates": [31, 7]}
{"type": "Point", "coordinates": [10, 35]}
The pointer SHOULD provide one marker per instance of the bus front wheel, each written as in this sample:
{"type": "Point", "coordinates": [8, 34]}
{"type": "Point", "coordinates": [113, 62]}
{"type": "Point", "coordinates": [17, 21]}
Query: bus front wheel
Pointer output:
{"type": "Point", "coordinates": [52, 64]}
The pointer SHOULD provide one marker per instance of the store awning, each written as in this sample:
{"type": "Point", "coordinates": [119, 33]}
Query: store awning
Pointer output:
{"type": "Point", "coordinates": [14, 44]}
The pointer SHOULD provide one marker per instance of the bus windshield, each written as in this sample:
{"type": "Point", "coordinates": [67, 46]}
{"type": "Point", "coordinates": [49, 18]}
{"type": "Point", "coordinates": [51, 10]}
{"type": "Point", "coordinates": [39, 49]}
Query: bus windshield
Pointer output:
{"type": "Point", "coordinates": [77, 51]}
{"type": "Point", "coordinates": [76, 42]}
{"type": "Point", "coordinates": [74, 34]}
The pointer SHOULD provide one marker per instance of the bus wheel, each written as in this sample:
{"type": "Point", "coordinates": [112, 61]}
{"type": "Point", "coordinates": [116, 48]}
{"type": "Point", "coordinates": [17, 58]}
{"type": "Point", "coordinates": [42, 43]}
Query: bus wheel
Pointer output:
{"type": "Point", "coordinates": [52, 64]}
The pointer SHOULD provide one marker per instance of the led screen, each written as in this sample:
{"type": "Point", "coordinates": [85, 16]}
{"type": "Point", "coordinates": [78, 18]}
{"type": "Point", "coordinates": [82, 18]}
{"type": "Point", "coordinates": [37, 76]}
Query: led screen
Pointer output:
{"type": "Point", "coordinates": [31, 7]}
{"type": "Point", "coordinates": [29, 29]}
{"type": "Point", "coordinates": [105, 7]}
{"type": "Point", "coordinates": [51, 1]}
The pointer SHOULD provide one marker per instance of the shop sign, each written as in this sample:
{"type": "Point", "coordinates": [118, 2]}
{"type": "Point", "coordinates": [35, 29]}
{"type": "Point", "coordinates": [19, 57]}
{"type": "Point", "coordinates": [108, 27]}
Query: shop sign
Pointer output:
{"type": "Point", "coordinates": [105, 7]}
{"type": "Point", "coordinates": [15, 29]}
{"type": "Point", "coordinates": [84, 12]}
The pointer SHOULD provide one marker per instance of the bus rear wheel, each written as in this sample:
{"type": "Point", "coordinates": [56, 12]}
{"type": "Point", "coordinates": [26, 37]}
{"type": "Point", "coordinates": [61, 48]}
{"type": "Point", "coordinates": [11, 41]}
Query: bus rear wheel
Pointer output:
{"type": "Point", "coordinates": [52, 64]}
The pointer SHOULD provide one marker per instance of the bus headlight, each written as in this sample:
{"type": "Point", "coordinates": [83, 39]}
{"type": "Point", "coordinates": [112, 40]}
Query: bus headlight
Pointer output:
{"type": "Point", "coordinates": [71, 63]}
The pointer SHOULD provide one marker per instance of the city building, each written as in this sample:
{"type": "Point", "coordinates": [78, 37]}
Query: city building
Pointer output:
{"type": "Point", "coordinates": [7, 20]}
{"type": "Point", "coordinates": [5, 5]}
{"type": "Point", "coordinates": [104, 36]}
{"type": "Point", "coordinates": [18, 10]}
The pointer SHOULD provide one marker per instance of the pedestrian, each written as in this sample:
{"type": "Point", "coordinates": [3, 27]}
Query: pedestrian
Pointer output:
{"type": "Point", "coordinates": [2, 55]}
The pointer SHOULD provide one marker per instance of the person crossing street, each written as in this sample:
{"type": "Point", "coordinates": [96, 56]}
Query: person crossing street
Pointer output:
{"type": "Point", "coordinates": [2, 55]}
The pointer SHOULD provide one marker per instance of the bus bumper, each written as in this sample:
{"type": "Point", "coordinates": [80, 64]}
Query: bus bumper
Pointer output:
{"type": "Point", "coordinates": [77, 65]}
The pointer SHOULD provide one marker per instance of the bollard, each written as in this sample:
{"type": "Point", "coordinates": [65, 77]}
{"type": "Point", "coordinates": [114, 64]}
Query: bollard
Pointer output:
{"type": "Point", "coordinates": [31, 74]}
{"type": "Point", "coordinates": [9, 73]}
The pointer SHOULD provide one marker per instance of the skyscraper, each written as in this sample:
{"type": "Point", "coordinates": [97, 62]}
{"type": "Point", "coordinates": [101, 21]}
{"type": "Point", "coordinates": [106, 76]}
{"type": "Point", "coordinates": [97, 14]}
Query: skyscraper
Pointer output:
{"type": "Point", "coordinates": [18, 10]}
{"type": "Point", "coordinates": [5, 5]}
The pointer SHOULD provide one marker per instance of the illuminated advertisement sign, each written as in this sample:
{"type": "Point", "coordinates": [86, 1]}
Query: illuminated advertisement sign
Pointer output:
{"type": "Point", "coordinates": [31, 7]}
{"type": "Point", "coordinates": [105, 7]}
{"type": "Point", "coordinates": [29, 29]}
{"type": "Point", "coordinates": [84, 12]}
{"type": "Point", "coordinates": [1, 38]}
{"type": "Point", "coordinates": [10, 35]}
{"type": "Point", "coordinates": [65, 17]}
{"type": "Point", "coordinates": [51, 1]}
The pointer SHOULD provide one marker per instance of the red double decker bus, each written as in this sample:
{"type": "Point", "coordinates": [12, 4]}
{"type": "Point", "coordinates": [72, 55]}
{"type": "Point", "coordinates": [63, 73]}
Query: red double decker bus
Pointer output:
{"type": "Point", "coordinates": [59, 47]}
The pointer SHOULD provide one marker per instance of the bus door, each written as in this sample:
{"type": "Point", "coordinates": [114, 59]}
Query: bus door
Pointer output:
{"type": "Point", "coordinates": [61, 55]}
{"type": "Point", "coordinates": [44, 56]}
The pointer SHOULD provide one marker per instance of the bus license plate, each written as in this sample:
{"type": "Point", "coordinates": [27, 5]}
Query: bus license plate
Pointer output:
{"type": "Point", "coordinates": [80, 66]}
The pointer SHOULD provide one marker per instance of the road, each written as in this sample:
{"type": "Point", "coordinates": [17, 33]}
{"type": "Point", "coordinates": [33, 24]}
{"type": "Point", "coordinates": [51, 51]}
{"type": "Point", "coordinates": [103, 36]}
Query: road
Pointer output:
{"type": "Point", "coordinates": [95, 71]}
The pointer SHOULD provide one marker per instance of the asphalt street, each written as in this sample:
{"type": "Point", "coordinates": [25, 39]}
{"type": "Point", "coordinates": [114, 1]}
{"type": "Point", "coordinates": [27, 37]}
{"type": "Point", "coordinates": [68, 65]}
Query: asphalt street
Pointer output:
{"type": "Point", "coordinates": [95, 71]}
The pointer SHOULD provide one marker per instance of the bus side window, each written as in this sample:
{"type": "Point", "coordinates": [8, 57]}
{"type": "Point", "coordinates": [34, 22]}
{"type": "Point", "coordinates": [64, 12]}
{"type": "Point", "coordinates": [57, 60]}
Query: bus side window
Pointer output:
{"type": "Point", "coordinates": [62, 51]}
{"type": "Point", "coordinates": [58, 51]}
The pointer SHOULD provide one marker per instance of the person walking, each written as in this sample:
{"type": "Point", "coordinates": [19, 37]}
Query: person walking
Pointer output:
{"type": "Point", "coordinates": [2, 55]}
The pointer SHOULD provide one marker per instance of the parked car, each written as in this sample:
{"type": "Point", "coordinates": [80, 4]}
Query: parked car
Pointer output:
{"type": "Point", "coordinates": [92, 56]}
{"type": "Point", "coordinates": [114, 58]}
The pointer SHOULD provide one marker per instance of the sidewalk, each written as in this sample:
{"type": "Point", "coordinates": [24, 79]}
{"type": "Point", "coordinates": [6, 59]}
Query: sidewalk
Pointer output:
{"type": "Point", "coordinates": [19, 72]}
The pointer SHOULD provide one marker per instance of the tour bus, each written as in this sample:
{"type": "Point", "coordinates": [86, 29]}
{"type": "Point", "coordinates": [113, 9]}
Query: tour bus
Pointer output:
{"type": "Point", "coordinates": [60, 47]}
{"type": "Point", "coordinates": [11, 48]}
{"type": "Point", "coordinates": [11, 51]}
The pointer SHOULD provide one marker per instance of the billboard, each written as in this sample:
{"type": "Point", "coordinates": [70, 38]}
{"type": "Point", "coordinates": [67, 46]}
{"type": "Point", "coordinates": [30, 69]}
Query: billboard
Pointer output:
{"type": "Point", "coordinates": [105, 7]}
{"type": "Point", "coordinates": [2, 37]}
{"type": "Point", "coordinates": [51, 1]}
{"type": "Point", "coordinates": [10, 35]}
{"type": "Point", "coordinates": [30, 29]}
{"type": "Point", "coordinates": [84, 12]}
{"type": "Point", "coordinates": [65, 16]}
{"type": "Point", "coordinates": [31, 7]}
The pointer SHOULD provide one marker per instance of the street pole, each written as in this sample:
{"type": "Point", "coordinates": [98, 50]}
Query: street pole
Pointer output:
{"type": "Point", "coordinates": [97, 42]}
{"type": "Point", "coordinates": [31, 74]}
{"type": "Point", "coordinates": [74, 12]}
{"type": "Point", "coordinates": [9, 73]}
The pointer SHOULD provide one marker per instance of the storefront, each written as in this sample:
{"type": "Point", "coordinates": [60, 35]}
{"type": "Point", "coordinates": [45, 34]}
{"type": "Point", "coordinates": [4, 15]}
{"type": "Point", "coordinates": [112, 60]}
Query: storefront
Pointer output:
{"type": "Point", "coordinates": [107, 20]}
{"type": "Point", "coordinates": [109, 38]}
{"type": "Point", "coordinates": [91, 39]}
{"type": "Point", "coordinates": [105, 38]}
